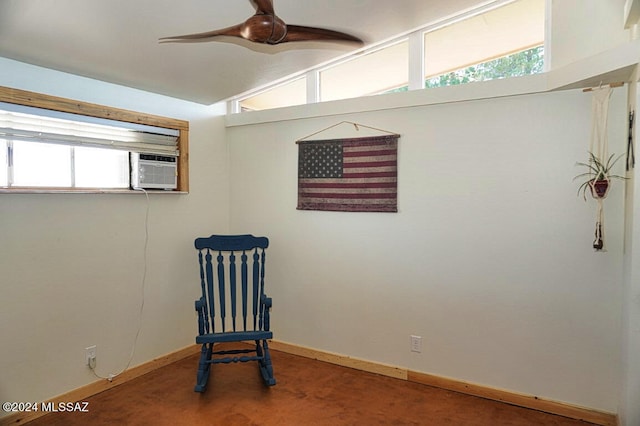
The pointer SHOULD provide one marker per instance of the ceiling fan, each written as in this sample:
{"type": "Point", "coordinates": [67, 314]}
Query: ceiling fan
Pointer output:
{"type": "Point", "coordinates": [266, 28]}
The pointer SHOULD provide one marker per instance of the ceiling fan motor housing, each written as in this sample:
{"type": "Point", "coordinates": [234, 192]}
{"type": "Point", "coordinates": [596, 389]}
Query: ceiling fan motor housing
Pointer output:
{"type": "Point", "coordinates": [264, 29]}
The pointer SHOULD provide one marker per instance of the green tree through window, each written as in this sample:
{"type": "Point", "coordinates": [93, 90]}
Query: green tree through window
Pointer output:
{"type": "Point", "coordinates": [526, 62]}
{"type": "Point", "coordinates": [518, 64]}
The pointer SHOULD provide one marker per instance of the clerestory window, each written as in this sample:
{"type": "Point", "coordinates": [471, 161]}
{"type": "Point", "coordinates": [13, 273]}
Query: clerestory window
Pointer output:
{"type": "Point", "coordinates": [490, 42]}
{"type": "Point", "coordinates": [503, 42]}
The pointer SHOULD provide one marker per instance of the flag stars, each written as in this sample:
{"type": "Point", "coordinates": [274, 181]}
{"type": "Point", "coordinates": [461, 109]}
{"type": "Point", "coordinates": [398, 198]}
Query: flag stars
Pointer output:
{"type": "Point", "coordinates": [323, 160]}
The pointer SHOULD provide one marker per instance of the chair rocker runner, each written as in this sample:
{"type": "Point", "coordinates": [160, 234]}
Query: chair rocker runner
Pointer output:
{"type": "Point", "coordinates": [218, 256]}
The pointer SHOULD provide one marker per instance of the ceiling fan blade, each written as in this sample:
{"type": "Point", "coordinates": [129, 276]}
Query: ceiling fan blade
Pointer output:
{"type": "Point", "coordinates": [264, 7]}
{"type": "Point", "coordinates": [299, 33]}
{"type": "Point", "coordinates": [233, 31]}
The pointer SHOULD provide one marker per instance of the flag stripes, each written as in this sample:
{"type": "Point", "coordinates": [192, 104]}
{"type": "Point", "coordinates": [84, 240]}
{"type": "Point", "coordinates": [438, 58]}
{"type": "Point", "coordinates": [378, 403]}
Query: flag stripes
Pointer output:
{"type": "Point", "coordinates": [348, 174]}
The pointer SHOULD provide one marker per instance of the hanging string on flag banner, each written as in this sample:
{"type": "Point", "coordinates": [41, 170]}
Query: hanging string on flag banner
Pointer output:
{"type": "Point", "coordinates": [356, 127]}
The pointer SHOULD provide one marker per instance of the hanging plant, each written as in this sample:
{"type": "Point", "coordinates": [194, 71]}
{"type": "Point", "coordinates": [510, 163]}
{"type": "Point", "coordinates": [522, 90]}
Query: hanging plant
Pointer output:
{"type": "Point", "coordinates": [598, 176]}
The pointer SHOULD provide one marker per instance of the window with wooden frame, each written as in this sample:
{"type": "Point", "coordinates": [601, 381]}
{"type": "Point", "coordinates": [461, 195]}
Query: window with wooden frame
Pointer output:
{"type": "Point", "coordinates": [50, 144]}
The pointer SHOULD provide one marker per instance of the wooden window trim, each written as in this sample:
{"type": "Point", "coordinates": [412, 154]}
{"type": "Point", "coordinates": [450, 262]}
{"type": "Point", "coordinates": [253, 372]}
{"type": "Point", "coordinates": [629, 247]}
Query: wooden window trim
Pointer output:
{"type": "Point", "coordinates": [38, 100]}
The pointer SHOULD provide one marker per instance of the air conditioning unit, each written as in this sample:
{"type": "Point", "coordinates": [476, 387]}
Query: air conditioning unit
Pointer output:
{"type": "Point", "coordinates": [151, 171]}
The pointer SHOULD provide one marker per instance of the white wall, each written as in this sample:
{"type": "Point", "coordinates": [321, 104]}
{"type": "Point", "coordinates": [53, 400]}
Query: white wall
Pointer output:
{"type": "Point", "coordinates": [489, 258]}
{"type": "Point", "coordinates": [630, 409]}
{"type": "Point", "coordinates": [583, 28]}
{"type": "Point", "coordinates": [71, 265]}
{"type": "Point", "coordinates": [579, 30]}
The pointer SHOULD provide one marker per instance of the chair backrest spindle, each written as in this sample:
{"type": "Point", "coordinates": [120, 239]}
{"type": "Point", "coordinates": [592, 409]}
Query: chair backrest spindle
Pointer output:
{"type": "Point", "coordinates": [244, 290]}
{"type": "Point", "coordinates": [264, 258]}
{"type": "Point", "coordinates": [256, 277]}
{"type": "Point", "coordinates": [232, 287]}
{"type": "Point", "coordinates": [221, 293]}
{"type": "Point", "coordinates": [211, 298]}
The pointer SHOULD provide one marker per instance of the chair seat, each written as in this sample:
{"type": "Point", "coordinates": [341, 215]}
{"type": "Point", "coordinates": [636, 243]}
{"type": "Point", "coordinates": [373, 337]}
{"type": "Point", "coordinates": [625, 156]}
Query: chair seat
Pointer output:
{"type": "Point", "coordinates": [235, 336]}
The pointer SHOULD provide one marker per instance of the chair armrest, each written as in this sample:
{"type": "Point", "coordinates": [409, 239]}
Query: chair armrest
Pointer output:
{"type": "Point", "coordinates": [267, 302]}
{"type": "Point", "coordinates": [203, 323]}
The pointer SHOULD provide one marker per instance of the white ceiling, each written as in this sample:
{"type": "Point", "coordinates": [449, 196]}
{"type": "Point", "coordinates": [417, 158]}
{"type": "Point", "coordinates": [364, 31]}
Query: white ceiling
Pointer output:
{"type": "Point", "coordinates": [117, 40]}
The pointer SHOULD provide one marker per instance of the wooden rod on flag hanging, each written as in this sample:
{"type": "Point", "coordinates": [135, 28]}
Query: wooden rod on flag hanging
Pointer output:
{"type": "Point", "coordinates": [355, 125]}
{"type": "Point", "coordinates": [612, 85]}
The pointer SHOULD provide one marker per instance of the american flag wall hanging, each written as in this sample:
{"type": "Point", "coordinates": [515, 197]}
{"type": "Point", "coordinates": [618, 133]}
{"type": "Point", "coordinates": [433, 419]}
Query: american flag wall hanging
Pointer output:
{"type": "Point", "coordinates": [350, 175]}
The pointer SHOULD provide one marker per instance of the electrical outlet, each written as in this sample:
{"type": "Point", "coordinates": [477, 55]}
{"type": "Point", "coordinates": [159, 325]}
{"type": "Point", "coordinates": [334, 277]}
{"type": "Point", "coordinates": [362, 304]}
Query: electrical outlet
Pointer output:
{"type": "Point", "coordinates": [90, 353]}
{"type": "Point", "coordinates": [416, 344]}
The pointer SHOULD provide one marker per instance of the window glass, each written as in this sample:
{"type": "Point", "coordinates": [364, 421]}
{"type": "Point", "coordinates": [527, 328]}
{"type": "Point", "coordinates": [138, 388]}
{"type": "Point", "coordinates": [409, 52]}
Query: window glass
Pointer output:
{"type": "Point", "coordinates": [41, 164]}
{"type": "Point", "coordinates": [376, 72]}
{"type": "Point", "coordinates": [289, 94]}
{"type": "Point", "coordinates": [101, 168]}
{"type": "Point", "coordinates": [497, 33]}
{"type": "Point", "coordinates": [527, 62]}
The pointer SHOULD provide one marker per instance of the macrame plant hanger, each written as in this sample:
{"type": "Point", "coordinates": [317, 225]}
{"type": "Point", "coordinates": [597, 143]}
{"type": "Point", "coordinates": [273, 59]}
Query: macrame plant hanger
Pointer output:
{"type": "Point", "coordinates": [631, 157]}
{"type": "Point", "coordinates": [599, 146]}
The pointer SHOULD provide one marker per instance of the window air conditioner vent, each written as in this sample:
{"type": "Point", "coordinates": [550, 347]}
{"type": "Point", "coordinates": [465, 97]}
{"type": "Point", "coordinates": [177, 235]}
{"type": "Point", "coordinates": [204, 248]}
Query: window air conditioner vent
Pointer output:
{"type": "Point", "coordinates": [151, 171]}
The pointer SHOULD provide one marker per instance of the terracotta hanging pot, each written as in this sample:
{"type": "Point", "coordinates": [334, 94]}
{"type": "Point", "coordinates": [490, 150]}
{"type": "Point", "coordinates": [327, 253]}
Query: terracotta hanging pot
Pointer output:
{"type": "Point", "coordinates": [599, 188]}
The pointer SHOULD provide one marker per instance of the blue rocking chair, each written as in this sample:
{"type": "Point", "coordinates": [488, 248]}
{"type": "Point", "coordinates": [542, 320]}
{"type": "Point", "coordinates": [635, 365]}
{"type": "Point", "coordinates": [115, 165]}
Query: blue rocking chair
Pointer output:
{"type": "Point", "coordinates": [218, 278]}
